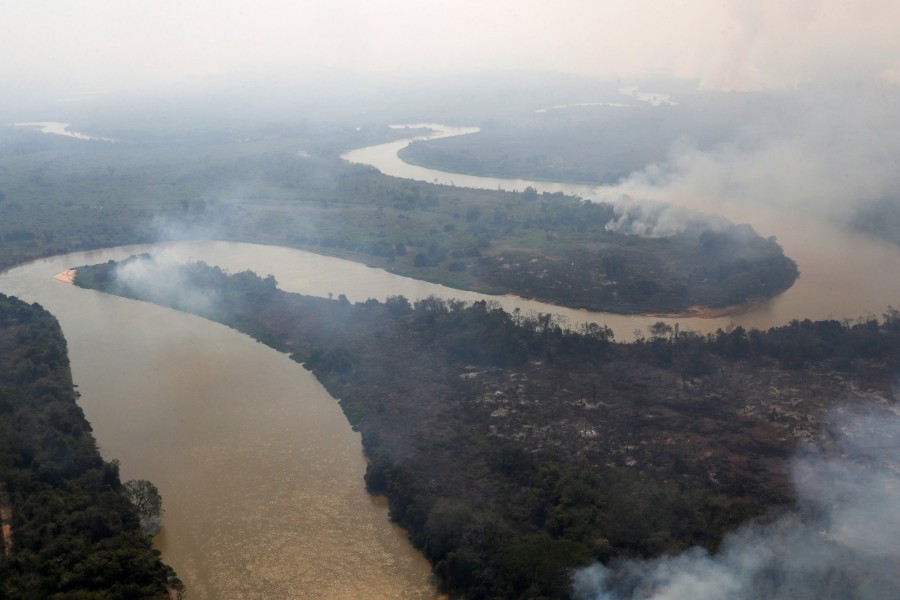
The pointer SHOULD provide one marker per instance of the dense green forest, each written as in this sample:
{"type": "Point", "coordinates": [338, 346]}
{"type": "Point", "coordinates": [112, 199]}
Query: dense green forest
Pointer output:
{"type": "Point", "coordinates": [59, 195]}
{"type": "Point", "coordinates": [513, 448]}
{"type": "Point", "coordinates": [74, 532]}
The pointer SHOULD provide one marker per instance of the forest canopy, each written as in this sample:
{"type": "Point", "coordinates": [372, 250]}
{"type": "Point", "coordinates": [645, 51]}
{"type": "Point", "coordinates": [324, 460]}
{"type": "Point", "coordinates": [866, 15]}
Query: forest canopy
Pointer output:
{"type": "Point", "coordinates": [73, 532]}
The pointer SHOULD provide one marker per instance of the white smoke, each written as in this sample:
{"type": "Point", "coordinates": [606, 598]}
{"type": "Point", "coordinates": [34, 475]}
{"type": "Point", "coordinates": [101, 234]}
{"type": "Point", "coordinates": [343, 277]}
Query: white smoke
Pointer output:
{"type": "Point", "coordinates": [166, 229]}
{"type": "Point", "coordinates": [647, 218]}
{"type": "Point", "coordinates": [161, 278]}
{"type": "Point", "coordinates": [842, 542]}
{"type": "Point", "coordinates": [824, 151]}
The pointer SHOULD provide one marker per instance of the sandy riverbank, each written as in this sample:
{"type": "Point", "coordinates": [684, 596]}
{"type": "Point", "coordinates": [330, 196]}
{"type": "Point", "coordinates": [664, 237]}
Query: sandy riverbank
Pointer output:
{"type": "Point", "coordinates": [67, 276]}
{"type": "Point", "coordinates": [5, 522]}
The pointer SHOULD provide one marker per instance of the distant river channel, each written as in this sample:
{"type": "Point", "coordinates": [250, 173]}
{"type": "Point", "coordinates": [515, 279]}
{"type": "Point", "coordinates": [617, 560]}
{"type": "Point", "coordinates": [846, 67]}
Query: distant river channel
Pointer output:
{"type": "Point", "coordinates": [261, 476]}
{"type": "Point", "coordinates": [843, 273]}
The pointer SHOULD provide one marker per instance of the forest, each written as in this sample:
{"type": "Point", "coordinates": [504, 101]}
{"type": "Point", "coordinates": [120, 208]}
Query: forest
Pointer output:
{"type": "Point", "coordinates": [514, 448]}
{"type": "Point", "coordinates": [64, 195]}
{"type": "Point", "coordinates": [70, 530]}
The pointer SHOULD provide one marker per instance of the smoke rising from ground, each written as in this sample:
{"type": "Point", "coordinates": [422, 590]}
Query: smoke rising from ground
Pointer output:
{"type": "Point", "coordinates": [842, 542]}
{"type": "Point", "coordinates": [166, 229]}
{"type": "Point", "coordinates": [647, 218]}
{"type": "Point", "coordinates": [820, 152]}
{"type": "Point", "coordinates": [161, 278]}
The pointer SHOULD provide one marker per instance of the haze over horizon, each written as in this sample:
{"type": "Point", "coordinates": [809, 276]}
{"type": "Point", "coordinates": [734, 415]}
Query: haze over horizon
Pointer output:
{"type": "Point", "coordinates": [828, 143]}
{"type": "Point", "coordinates": [95, 47]}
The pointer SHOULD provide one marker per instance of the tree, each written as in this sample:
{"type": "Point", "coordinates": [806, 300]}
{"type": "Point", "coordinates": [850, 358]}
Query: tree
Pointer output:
{"type": "Point", "coordinates": [530, 193]}
{"type": "Point", "coordinates": [147, 501]}
{"type": "Point", "coordinates": [660, 330]}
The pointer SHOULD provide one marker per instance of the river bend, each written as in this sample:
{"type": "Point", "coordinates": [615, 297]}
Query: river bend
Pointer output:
{"type": "Point", "coordinates": [261, 475]}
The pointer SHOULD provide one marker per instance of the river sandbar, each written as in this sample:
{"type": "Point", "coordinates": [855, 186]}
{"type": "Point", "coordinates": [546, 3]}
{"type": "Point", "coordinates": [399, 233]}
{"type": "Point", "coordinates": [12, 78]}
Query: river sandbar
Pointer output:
{"type": "Point", "coordinates": [67, 276]}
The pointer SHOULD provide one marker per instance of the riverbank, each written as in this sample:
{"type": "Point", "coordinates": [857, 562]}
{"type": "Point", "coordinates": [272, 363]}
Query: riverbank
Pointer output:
{"type": "Point", "coordinates": [67, 276]}
{"type": "Point", "coordinates": [702, 312]}
{"type": "Point", "coordinates": [76, 534]}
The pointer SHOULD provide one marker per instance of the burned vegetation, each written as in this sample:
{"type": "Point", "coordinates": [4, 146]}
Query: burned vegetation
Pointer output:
{"type": "Point", "coordinates": [513, 448]}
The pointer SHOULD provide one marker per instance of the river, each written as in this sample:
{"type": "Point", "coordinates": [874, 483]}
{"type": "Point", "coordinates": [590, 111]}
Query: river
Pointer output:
{"type": "Point", "coordinates": [261, 476]}
{"type": "Point", "coordinates": [260, 473]}
{"type": "Point", "coordinates": [63, 129]}
{"type": "Point", "coordinates": [843, 273]}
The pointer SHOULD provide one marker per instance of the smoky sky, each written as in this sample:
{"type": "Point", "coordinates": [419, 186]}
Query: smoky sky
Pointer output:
{"type": "Point", "coordinates": [102, 46]}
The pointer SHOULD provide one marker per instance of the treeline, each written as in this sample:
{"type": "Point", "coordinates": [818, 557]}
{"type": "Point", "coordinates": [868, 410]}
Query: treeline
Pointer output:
{"type": "Point", "coordinates": [864, 347]}
{"type": "Point", "coordinates": [513, 448]}
{"type": "Point", "coordinates": [74, 534]}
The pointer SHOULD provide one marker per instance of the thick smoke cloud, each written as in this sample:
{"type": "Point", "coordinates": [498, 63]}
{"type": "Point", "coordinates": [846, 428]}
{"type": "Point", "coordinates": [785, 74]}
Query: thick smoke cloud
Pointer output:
{"type": "Point", "coordinates": [842, 542]}
{"type": "Point", "coordinates": [819, 152]}
{"type": "Point", "coordinates": [647, 218]}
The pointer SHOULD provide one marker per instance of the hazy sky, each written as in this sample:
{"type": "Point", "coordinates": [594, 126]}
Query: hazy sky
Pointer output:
{"type": "Point", "coordinates": [108, 45]}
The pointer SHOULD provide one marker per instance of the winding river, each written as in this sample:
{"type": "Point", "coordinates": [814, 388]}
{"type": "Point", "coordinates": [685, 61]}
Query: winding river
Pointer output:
{"type": "Point", "coordinates": [843, 273]}
{"type": "Point", "coordinates": [260, 473]}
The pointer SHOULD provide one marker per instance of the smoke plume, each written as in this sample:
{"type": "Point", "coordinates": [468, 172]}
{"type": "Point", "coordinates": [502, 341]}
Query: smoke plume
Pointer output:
{"type": "Point", "coordinates": [842, 541]}
{"type": "Point", "coordinates": [162, 278]}
{"type": "Point", "coordinates": [825, 151]}
{"type": "Point", "coordinates": [647, 218]}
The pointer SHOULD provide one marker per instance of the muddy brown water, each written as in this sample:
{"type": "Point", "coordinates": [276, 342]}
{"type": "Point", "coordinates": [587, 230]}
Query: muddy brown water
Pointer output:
{"type": "Point", "coordinates": [260, 473]}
